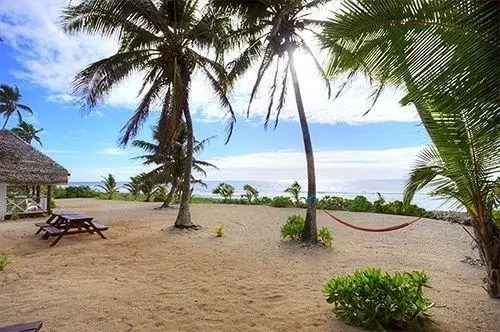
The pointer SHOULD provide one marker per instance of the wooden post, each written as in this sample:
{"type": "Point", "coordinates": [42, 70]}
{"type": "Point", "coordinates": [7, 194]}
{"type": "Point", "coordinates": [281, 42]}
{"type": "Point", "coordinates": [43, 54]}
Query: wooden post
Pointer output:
{"type": "Point", "coordinates": [49, 198]}
{"type": "Point", "coordinates": [37, 194]}
{"type": "Point", "coordinates": [3, 200]}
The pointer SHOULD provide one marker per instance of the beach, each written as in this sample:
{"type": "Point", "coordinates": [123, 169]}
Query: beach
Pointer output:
{"type": "Point", "coordinates": [146, 276]}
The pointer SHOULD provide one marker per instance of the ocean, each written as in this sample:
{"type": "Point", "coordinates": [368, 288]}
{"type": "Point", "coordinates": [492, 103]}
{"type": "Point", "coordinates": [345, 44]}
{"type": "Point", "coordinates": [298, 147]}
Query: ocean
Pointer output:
{"type": "Point", "coordinates": [390, 189]}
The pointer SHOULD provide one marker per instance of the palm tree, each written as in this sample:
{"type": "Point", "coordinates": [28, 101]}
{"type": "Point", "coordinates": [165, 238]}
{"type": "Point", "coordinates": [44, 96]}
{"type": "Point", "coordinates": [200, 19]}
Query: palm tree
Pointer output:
{"type": "Point", "coordinates": [134, 186]}
{"type": "Point", "coordinates": [109, 186]}
{"type": "Point", "coordinates": [445, 53]}
{"type": "Point", "coordinates": [271, 30]}
{"type": "Point", "coordinates": [462, 166]}
{"type": "Point", "coordinates": [225, 190]}
{"type": "Point", "coordinates": [10, 103]}
{"type": "Point", "coordinates": [294, 190]}
{"type": "Point", "coordinates": [171, 161]}
{"type": "Point", "coordinates": [27, 132]}
{"type": "Point", "coordinates": [164, 40]}
{"type": "Point", "coordinates": [250, 193]}
{"type": "Point", "coordinates": [148, 185]}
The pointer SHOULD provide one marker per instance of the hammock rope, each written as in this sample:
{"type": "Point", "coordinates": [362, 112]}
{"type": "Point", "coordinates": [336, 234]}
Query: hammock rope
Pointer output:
{"type": "Point", "coordinates": [365, 229]}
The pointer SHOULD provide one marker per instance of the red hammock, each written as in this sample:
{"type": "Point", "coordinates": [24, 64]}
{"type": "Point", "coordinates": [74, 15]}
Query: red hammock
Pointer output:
{"type": "Point", "coordinates": [387, 229]}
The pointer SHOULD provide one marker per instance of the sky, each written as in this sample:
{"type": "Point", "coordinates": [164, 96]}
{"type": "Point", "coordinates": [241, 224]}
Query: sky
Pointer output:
{"type": "Point", "coordinates": [42, 61]}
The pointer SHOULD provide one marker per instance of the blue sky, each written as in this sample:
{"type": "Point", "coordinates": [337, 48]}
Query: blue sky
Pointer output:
{"type": "Point", "coordinates": [42, 61]}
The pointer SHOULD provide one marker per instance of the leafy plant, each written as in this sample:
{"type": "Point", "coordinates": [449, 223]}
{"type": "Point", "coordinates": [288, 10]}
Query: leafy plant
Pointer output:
{"type": "Point", "coordinates": [225, 190]}
{"type": "Point", "coordinates": [281, 201]}
{"type": "Point", "coordinates": [294, 190]}
{"type": "Point", "coordinates": [359, 204]}
{"type": "Point", "coordinates": [10, 103]}
{"type": "Point", "coordinates": [371, 298]}
{"type": "Point", "coordinates": [5, 260]}
{"type": "Point", "coordinates": [325, 237]}
{"type": "Point", "coordinates": [109, 186]}
{"type": "Point", "coordinates": [219, 230]}
{"type": "Point", "coordinates": [293, 227]}
{"type": "Point", "coordinates": [27, 132]}
{"type": "Point", "coordinates": [332, 203]}
{"type": "Point", "coordinates": [250, 193]}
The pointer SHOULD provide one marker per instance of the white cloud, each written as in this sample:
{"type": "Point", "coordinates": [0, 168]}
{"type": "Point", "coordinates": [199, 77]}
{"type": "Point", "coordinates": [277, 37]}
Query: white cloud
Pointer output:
{"type": "Point", "coordinates": [331, 165]}
{"type": "Point", "coordinates": [122, 173]}
{"type": "Point", "coordinates": [50, 59]}
{"type": "Point", "coordinates": [112, 152]}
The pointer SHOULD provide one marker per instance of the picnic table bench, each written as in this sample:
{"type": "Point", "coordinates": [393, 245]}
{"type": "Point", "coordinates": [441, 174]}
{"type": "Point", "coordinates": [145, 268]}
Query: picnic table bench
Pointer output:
{"type": "Point", "coordinates": [68, 223]}
{"type": "Point", "coordinates": [23, 327]}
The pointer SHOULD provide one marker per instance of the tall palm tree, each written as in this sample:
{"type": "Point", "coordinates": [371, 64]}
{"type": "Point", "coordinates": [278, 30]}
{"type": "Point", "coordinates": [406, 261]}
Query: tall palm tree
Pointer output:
{"type": "Point", "coordinates": [445, 53]}
{"type": "Point", "coordinates": [165, 40]}
{"type": "Point", "coordinates": [134, 186]}
{"type": "Point", "coordinates": [10, 103]}
{"type": "Point", "coordinates": [109, 186]}
{"type": "Point", "coordinates": [27, 132]}
{"type": "Point", "coordinates": [170, 161]}
{"type": "Point", "coordinates": [271, 31]}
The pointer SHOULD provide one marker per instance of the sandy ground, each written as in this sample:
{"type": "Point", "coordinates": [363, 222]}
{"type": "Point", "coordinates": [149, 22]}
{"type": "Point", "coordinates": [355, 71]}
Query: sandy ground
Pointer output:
{"type": "Point", "coordinates": [144, 278]}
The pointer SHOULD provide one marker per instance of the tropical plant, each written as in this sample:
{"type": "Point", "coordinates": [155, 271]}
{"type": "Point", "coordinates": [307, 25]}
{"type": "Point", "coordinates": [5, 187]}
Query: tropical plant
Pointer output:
{"type": "Point", "coordinates": [166, 41]}
{"type": "Point", "coordinates": [359, 204]}
{"type": "Point", "coordinates": [250, 193]}
{"type": "Point", "coordinates": [109, 186]}
{"type": "Point", "coordinates": [74, 192]}
{"type": "Point", "coordinates": [5, 260]}
{"type": "Point", "coordinates": [219, 230]}
{"type": "Point", "coordinates": [374, 299]}
{"type": "Point", "coordinates": [293, 227]}
{"type": "Point", "coordinates": [444, 52]}
{"type": "Point", "coordinates": [281, 202]}
{"type": "Point", "coordinates": [325, 237]}
{"type": "Point", "coordinates": [272, 31]}
{"type": "Point", "coordinates": [294, 190]}
{"type": "Point", "coordinates": [10, 103]}
{"type": "Point", "coordinates": [462, 166]}
{"type": "Point", "coordinates": [134, 186]}
{"type": "Point", "coordinates": [27, 132]}
{"type": "Point", "coordinates": [333, 203]}
{"type": "Point", "coordinates": [170, 160]}
{"type": "Point", "coordinates": [225, 190]}
{"type": "Point", "coordinates": [148, 185]}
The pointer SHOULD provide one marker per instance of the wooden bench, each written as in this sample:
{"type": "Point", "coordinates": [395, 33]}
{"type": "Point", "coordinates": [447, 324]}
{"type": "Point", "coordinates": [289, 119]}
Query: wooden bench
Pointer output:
{"type": "Point", "coordinates": [99, 226]}
{"type": "Point", "coordinates": [41, 224]}
{"type": "Point", "coordinates": [52, 231]}
{"type": "Point", "coordinates": [23, 327]}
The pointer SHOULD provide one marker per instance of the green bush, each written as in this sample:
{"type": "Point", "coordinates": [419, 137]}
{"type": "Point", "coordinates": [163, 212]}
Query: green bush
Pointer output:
{"type": "Point", "coordinates": [325, 237]}
{"type": "Point", "coordinates": [74, 192]}
{"type": "Point", "coordinates": [371, 299]}
{"type": "Point", "coordinates": [332, 203]}
{"type": "Point", "coordinates": [293, 227]}
{"type": "Point", "coordinates": [4, 260]}
{"type": "Point", "coordinates": [263, 200]}
{"type": "Point", "coordinates": [282, 201]}
{"type": "Point", "coordinates": [359, 204]}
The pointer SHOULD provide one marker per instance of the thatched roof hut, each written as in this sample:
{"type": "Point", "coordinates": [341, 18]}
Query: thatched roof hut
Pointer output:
{"type": "Point", "coordinates": [22, 164]}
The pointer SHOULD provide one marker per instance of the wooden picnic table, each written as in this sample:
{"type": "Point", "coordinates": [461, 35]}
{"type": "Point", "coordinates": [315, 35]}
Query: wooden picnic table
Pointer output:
{"type": "Point", "coordinates": [68, 223]}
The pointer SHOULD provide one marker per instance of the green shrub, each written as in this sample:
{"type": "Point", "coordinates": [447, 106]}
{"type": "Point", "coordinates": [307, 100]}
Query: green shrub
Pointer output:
{"type": "Point", "coordinates": [4, 260]}
{"type": "Point", "coordinates": [293, 227]}
{"type": "Point", "coordinates": [263, 200]}
{"type": "Point", "coordinates": [371, 298]}
{"type": "Point", "coordinates": [325, 237]}
{"type": "Point", "coordinates": [281, 201]}
{"type": "Point", "coordinates": [74, 192]}
{"type": "Point", "coordinates": [332, 203]}
{"type": "Point", "coordinates": [219, 230]}
{"type": "Point", "coordinates": [359, 204]}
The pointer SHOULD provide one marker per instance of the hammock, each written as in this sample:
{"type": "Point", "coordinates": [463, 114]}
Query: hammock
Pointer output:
{"type": "Point", "coordinates": [386, 229]}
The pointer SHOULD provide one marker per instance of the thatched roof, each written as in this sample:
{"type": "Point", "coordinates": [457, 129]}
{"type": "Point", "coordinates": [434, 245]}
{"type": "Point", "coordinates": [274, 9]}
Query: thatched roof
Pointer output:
{"type": "Point", "coordinates": [21, 163]}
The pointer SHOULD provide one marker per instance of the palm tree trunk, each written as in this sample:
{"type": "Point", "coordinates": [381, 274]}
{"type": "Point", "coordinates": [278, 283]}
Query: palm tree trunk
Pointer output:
{"type": "Point", "coordinates": [310, 228]}
{"type": "Point", "coordinates": [6, 120]}
{"type": "Point", "coordinates": [488, 240]}
{"type": "Point", "coordinates": [170, 195]}
{"type": "Point", "coordinates": [184, 216]}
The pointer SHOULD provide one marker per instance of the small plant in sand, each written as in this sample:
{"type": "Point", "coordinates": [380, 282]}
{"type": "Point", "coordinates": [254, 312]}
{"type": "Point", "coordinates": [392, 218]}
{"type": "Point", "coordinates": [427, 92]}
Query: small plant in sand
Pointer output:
{"type": "Point", "coordinates": [293, 227]}
{"type": "Point", "coordinates": [373, 299]}
{"type": "Point", "coordinates": [5, 259]}
{"type": "Point", "coordinates": [325, 237]}
{"type": "Point", "coordinates": [219, 230]}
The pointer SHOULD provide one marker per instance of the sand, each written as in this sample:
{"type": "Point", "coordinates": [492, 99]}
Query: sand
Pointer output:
{"type": "Point", "coordinates": [145, 278]}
